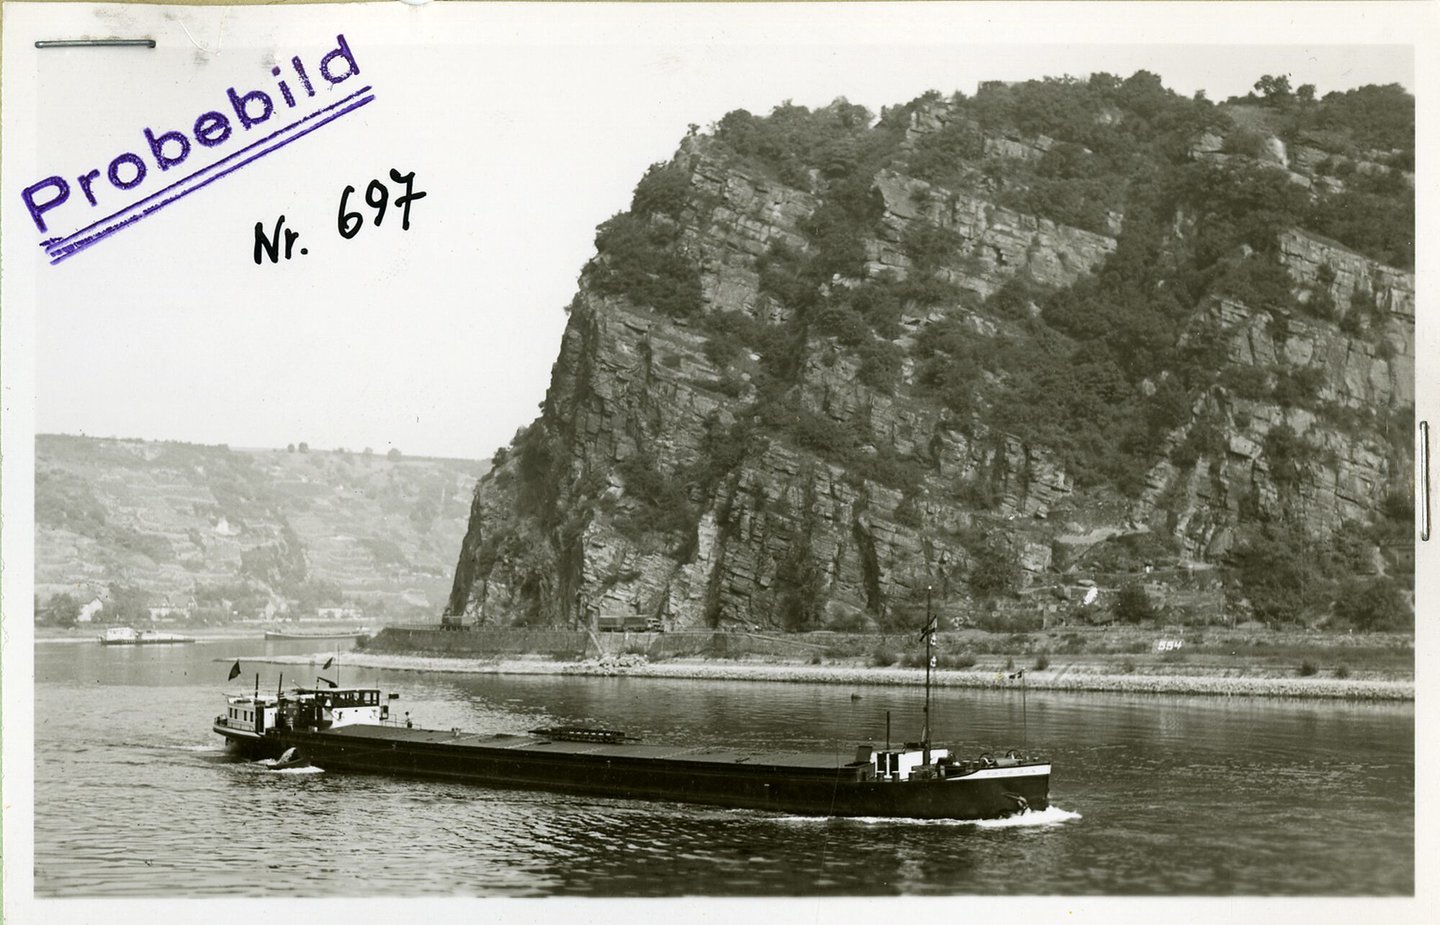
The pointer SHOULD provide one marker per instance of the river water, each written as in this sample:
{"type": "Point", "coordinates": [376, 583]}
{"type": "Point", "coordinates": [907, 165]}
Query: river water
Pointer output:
{"type": "Point", "coordinates": [1151, 795]}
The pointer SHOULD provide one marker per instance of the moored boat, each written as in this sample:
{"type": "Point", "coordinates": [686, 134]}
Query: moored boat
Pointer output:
{"type": "Point", "coordinates": [316, 635]}
{"type": "Point", "coordinates": [126, 636]}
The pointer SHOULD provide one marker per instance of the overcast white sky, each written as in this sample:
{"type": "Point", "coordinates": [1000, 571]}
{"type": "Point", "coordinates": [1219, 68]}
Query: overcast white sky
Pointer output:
{"type": "Point", "coordinates": [526, 130]}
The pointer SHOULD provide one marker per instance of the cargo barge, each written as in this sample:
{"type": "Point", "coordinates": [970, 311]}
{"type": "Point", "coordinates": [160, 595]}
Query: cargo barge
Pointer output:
{"type": "Point", "coordinates": [317, 635]}
{"type": "Point", "coordinates": [351, 730]}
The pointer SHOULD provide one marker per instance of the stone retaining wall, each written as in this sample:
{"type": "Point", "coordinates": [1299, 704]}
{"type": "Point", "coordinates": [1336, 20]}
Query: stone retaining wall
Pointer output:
{"type": "Point", "coordinates": [574, 644]}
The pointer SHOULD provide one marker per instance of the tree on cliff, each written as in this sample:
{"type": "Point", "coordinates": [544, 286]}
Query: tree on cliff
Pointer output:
{"type": "Point", "coordinates": [1274, 88]}
{"type": "Point", "coordinates": [995, 571]}
{"type": "Point", "coordinates": [799, 584]}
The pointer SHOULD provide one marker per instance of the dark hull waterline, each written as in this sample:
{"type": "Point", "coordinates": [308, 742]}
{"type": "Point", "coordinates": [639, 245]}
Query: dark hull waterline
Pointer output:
{"type": "Point", "coordinates": [791, 782]}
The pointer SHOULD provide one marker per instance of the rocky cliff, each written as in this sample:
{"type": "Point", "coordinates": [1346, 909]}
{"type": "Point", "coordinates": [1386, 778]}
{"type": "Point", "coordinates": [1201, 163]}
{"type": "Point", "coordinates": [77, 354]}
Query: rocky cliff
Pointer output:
{"type": "Point", "coordinates": [812, 377]}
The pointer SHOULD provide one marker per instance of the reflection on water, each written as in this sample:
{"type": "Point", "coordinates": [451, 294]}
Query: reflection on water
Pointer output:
{"type": "Point", "coordinates": [1151, 795]}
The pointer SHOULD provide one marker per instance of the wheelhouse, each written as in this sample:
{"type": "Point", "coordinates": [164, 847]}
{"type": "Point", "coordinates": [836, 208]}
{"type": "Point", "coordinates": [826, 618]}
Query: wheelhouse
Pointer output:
{"type": "Point", "coordinates": [326, 708]}
{"type": "Point", "coordinates": [249, 715]}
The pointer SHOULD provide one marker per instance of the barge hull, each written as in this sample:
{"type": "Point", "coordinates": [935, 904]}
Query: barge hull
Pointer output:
{"type": "Point", "coordinates": [802, 783]}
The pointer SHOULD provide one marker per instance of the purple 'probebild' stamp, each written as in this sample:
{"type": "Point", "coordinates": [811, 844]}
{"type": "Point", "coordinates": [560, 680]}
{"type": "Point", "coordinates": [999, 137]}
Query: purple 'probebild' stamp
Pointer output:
{"type": "Point", "coordinates": [58, 198]}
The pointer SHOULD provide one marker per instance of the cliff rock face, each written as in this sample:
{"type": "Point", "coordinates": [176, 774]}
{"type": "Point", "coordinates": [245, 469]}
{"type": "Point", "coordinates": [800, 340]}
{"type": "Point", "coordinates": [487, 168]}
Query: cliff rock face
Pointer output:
{"type": "Point", "coordinates": [1361, 383]}
{"type": "Point", "coordinates": [1003, 241]}
{"type": "Point", "coordinates": [669, 478]}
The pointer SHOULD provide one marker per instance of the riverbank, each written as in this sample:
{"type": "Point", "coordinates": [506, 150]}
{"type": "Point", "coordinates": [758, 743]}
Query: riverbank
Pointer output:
{"type": "Point", "coordinates": [1066, 676]}
{"type": "Point", "coordinates": [221, 633]}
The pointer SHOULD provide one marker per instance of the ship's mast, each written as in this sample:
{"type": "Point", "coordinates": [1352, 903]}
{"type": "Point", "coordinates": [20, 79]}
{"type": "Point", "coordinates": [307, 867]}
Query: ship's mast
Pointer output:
{"type": "Point", "coordinates": [929, 646]}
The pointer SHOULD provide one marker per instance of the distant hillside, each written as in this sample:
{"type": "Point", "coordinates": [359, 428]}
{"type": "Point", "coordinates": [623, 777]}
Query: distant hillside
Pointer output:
{"type": "Point", "coordinates": [144, 524]}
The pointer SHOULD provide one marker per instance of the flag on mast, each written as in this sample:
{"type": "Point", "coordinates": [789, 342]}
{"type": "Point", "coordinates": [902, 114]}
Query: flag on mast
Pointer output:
{"type": "Point", "coordinates": [234, 671]}
{"type": "Point", "coordinates": [328, 662]}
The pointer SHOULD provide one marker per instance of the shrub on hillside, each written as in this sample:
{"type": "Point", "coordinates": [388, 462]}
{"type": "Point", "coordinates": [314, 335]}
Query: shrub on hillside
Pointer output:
{"type": "Point", "coordinates": [664, 504]}
{"type": "Point", "coordinates": [664, 190]}
{"type": "Point", "coordinates": [643, 260]}
{"type": "Point", "coordinates": [1278, 575]}
{"type": "Point", "coordinates": [928, 245]}
{"type": "Point", "coordinates": [880, 365]}
{"type": "Point", "coordinates": [1288, 455]}
{"type": "Point", "coordinates": [1374, 605]}
{"type": "Point", "coordinates": [1248, 382]}
{"type": "Point", "coordinates": [1299, 387]}
{"type": "Point", "coordinates": [995, 571]}
{"type": "Point", "coordinates": [1132, 605]}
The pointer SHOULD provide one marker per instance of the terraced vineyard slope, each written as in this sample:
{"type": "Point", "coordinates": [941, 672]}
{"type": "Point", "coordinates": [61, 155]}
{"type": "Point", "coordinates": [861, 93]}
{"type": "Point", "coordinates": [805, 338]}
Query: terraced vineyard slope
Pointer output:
{"type": "Point", "coordinates": [212, 533]}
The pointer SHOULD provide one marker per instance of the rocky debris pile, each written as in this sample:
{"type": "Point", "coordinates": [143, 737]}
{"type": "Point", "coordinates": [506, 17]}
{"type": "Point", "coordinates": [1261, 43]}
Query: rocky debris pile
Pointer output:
{"type": "Point", "coordinates": [608, 664]}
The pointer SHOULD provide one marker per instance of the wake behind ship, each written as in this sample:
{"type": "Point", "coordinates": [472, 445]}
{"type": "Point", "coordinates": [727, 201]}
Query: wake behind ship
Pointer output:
{"type": "Point", "coordinates": [350, 729]}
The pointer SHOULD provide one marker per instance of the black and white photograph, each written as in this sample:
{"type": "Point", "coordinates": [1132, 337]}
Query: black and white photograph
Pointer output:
{"type": "Point", "coordinates": [482, 459]}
